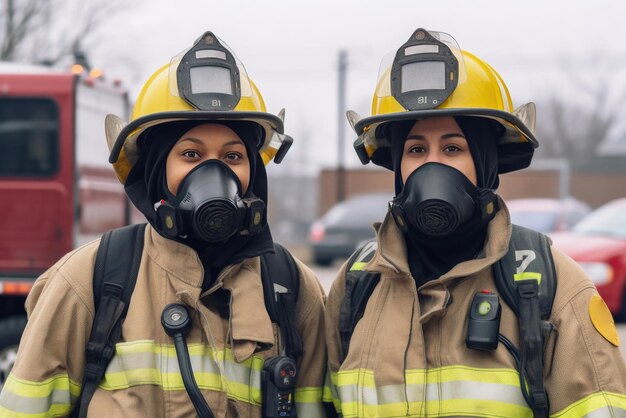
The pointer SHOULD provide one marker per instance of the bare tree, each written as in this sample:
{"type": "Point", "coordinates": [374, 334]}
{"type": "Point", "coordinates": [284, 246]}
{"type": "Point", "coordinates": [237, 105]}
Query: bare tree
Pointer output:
{"type": "Point", "coordinates": [50, 31]}
{"type": "Point", "coordinates": [575, 123]}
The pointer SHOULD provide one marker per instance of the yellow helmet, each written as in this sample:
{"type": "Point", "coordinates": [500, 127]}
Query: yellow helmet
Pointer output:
{"type": "Point", "coordinates": [206, 82]}
{"type": "Point", "coordinates": [431, 76]}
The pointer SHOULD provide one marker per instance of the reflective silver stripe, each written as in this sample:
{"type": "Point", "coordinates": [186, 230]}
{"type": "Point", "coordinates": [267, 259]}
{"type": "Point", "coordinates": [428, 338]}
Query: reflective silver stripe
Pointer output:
{"type": "Point", "coordinates": [478, 391]}
{"type": "Point", "coordinates": [59, 400]}
{"type": "Point", "coordinates": [460, 389]}
{"type": "Point", "coordinates": [310, 410]}
{"type": "Point", "coordinates": [369, 248]}
{"type": "Point", "coordinates": [144, 362]}
{"type": "Point", "coordinates": [235, 372]}
{"type": "Point", "coordinates": [598, 404]}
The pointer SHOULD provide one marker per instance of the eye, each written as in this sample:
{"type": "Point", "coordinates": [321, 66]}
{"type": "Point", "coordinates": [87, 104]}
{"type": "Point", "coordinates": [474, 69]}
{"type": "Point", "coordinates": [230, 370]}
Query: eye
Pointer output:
{"type": "Point", "coordinates": [191, 154]}
{"type": "Point", "coordinates": [233, 156]}
{"type": "Point", "coordinates": [452, 148]}
{"type": "Point", "coordinates": [417, 149]}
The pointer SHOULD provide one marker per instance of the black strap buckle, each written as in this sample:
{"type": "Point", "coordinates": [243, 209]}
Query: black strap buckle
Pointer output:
{"type": "Point", "coordinates": [528, 289]}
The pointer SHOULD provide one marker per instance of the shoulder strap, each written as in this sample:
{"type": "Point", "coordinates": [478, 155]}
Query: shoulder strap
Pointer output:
{"type": "Point", "coordinates": [281, 284]}
{"type": "Point", "coordinates": [114, 277]}
{"type": "Point", "coordinates": [528, 259]}
{"type": "Point", "coordinates": [526, 279]}
{"type": "Point", "coordinates": [359, 287]}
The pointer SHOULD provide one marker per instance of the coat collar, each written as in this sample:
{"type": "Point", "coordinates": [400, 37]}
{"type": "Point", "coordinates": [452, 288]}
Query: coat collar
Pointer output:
{"type": "Point", "coordinates": [176, 258]}
{"type": "Point", "coordinates": [250, 325]}
{"type": "Point", "coordinates": [391, 255]}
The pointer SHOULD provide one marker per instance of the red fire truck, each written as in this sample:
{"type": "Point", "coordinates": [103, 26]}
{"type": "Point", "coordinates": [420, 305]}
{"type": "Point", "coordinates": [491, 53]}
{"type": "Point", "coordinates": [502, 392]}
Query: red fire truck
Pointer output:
{"type": "Point", "coordinates": [57, 188]}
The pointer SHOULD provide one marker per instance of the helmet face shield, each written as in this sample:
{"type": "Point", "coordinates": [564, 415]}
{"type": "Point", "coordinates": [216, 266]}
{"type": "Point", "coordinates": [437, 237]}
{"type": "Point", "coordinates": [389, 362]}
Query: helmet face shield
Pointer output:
{"type": "Point", "coordinates": [424, 72]}
{"type": "Point", "coordinates": [209, 76]}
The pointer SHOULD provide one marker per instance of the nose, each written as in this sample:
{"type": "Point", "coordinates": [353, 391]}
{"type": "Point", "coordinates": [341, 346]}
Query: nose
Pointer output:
{"type": "Point", "coordinates": [210, 156]}
{"type": "Point", "coordinates": [433, 156]}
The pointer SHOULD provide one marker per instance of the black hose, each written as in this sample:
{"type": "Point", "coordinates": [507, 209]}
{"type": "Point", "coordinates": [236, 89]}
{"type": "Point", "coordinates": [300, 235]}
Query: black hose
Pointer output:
{"type": "Point", "coordinates": [176, 323]}
{"type": "Point", "coordinates": [184, 362]}
{"type": "Point", "coordinates": [518, 365]}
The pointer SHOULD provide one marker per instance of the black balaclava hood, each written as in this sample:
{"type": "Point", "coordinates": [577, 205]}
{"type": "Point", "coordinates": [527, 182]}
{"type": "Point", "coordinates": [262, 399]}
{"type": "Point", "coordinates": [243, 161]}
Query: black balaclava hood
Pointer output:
{"type": "Point", "coordinates": [146, 185]}
{"type": "Point", "coordinates": [429, 257]}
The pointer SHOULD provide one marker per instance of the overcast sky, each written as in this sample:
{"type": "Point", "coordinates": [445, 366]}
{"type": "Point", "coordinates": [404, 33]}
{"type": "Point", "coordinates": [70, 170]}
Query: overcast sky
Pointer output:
{"type": "Point", "coordinates": [290, 49]}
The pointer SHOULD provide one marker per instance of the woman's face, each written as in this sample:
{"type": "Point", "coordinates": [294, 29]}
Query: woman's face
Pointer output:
{"type": "Point", "coordinates": [207, 142]}
{"type": "Point", "coordinates": [438, 140]}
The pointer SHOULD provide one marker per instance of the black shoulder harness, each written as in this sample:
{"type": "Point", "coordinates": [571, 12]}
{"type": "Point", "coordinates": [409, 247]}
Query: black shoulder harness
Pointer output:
{"type": "Point", "coordinates": [114, 277]}
{"type": "Point", "coordinates": [359, 287]}
{"type": "Point", "coordinates": [281, 284]}
{"type": "Point", "coordinates": [526, 280]}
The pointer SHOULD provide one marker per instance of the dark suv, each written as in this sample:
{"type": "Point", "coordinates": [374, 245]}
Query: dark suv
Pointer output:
{"type": "Point", "coordinates": [347, 224]}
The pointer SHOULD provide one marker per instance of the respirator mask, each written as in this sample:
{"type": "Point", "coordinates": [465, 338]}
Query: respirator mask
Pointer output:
{"type": "Point", "coordinates": [209, 206]}
{"type": "Point", "coordinates": [437, 199]}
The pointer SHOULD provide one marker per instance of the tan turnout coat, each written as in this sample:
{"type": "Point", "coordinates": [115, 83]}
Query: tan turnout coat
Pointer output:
{"type": "Point", "coordinates": [408, 355]}
{"type": "Point", "coordinates": [143, 379]}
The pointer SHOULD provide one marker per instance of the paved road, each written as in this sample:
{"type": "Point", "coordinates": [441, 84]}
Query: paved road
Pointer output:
{"type": "Point", "coordinates": [327, 275]}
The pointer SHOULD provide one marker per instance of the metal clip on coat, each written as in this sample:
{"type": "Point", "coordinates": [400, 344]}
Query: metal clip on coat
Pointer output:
{"type": "Point", "coordinates": [176, 322]}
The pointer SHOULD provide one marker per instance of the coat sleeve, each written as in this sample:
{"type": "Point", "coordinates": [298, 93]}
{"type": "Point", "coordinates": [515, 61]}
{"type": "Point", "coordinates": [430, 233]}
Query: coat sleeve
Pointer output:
{"type": "Point", "coordinates": [45, 380]}
{"type": "Point", "coordinates": [585, 370]}
{"type": "Point", "coordinates": [312, 364]}
{"type": "Point", "coordinates": [333, 340]}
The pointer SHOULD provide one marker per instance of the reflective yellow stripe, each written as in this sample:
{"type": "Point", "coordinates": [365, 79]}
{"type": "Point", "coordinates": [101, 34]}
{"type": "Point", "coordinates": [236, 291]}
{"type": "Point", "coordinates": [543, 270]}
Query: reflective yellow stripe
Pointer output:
{"type": "Point", "coordinates": [441, 374]}
{"type": "Point", "coordinates": [41, 389]}
{"type": "Point", "coordinates": [453, 373]}
{"type": "Point", "coordinates": [327, 394]}
{"type": "Point", "coordinates": [309, 402]}
{"type": "Point", "coordinates": [308, 395]}
{"type": "Point", "coordinates": [51, 397]}
{"type": "Point", "coordinates": [527, 275]}
{"type": "Point", "coordinates": [331, 393]}
{"type": "Point", "coordinates": [446, 391]}
{"type": "Point", "coordinates": [358, 266]}
{"type": "Point", "coordinates": [597, 404]}
{"type": "Point", "coordinates": [147, 363]}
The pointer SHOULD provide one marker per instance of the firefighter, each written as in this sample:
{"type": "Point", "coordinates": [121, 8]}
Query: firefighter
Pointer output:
{"type": "Point", "coordinates": [198, 337]}
{"type": "Point", "coordinates": [420, 323]}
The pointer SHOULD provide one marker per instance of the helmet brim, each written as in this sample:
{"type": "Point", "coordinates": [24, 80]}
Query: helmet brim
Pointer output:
{"type": "Point", "coordinates": [515, 149]}
{"type": "Point", "coordinates": [270, 123]}
{"type": "Point", "coordinates": [513, 125]}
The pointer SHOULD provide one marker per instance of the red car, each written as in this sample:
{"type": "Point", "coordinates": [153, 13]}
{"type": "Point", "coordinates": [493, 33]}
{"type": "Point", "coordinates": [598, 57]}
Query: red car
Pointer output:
{"type": "Point", "coordinates": [598, 244]}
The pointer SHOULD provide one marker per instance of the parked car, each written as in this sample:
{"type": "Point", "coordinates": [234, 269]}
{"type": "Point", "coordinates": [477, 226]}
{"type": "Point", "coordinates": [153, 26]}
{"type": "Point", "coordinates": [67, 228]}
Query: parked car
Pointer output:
{"type": "Point", "coordinates": [547, 215]}
{"type": "Point", "coordinates": [598, 244]}
{"type": "Point", "coordinates": [338, 233]}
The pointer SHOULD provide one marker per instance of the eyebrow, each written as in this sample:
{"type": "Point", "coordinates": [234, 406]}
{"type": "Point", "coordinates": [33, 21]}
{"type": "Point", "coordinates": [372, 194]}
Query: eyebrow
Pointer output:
{"type": "Point", "coordinates": [200, 142]}
{"type": "Point", "coordinates": [444, 136]}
